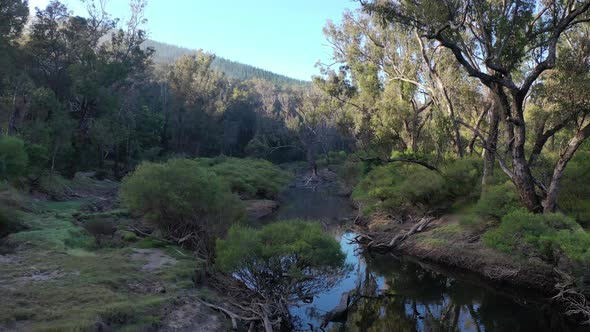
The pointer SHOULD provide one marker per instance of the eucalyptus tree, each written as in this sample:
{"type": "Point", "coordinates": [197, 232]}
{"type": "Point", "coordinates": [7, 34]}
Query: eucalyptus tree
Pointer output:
{"type": "Point", "coordinates": [507, 46]}
{"type": "Point", "coordinates": [398, 79]}
{"type": "Point", "coordinates": [197, 93]}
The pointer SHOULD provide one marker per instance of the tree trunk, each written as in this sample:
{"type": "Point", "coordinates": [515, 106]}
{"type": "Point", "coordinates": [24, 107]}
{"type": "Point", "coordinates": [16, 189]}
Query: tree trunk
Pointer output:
{"type": "Point", "coordinates": [522, 175]}
{"type": "Point", "coordinates": [489, 155]}
{"type": "Point", "coordinates": [553, 191]}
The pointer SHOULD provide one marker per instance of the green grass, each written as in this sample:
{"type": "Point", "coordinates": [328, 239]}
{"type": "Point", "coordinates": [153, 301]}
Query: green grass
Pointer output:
{"type": "Point", "coordinates": [60, 281]}
{"type": "Point", "coordinates": [448, 231]}
{"type": "Point", "coordinates": [433, 242]}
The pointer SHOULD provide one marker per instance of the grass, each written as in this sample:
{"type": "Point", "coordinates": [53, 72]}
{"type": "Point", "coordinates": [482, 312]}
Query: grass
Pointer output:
{"type": "Point", "coordinates": [433, 242]}
{"type": "Point", "coordinates": [60, 281]}
{"type": "Point", "coordinates": [448, 231]}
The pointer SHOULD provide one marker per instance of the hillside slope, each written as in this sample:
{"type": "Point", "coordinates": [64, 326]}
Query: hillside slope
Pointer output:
{"type": "Point", "coordinates": [166, 53]}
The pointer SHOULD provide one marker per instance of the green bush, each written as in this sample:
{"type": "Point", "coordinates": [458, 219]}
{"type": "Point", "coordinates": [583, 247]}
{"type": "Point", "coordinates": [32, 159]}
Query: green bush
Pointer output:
{"type": "Point", "coordinates": [544, 233]}
{"type": "Point", "coordinates": [288, 259]}
{"type": "Point", "coordinates": [10, 222]}
{"type": "Point", "coordinates": [574, 198]}
{"type": "Point", "coordinates": [13, 158]}
{"type": "Point", "coordinates": [331, 158]}
{"type": "Point", "coordinates": [401, 188]}
{"type": "Point", "coordinates": [496, 201]}
{"type": "Point", "coordinates": [181, 197]}
{"type": "Point", "coordinates": [463, 178]}
{"type": "Point", "coordinates": [410, 188]}
{"type": "Point", "coordinates": [38, 157]}
{"type": "Point", "coordinates": [249, 178]}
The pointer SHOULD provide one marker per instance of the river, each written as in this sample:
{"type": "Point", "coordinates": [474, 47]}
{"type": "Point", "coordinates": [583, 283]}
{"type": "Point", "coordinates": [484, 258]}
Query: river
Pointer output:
{"type": "Point", "coordinates": [402, 294]}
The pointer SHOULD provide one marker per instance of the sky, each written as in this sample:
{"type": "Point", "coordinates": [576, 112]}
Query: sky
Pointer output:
{"type": "Point", "coordinates": [283, 36]}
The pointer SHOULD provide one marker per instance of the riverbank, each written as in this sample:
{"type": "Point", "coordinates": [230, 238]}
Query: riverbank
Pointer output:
{"type": "Point", "coordinates": [445, 241]}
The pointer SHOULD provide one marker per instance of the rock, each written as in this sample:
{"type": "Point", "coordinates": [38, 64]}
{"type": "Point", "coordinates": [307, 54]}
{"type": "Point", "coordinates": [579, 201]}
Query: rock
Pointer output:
{"type": "Point", "coordinates": [260, 208]}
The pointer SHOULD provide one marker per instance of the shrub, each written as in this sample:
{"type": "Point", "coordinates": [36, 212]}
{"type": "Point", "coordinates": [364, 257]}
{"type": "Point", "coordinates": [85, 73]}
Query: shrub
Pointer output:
{"type": "Point", "coordinates": [544, 233]}
{"type": "Point", "coordinates": [496, 201]}
{"type": "Point", "coordinates": [100, 229]}
{"type": "Point", "coordinates": [331, 158]}
{"type": "Point", "coordinates": [249, 178]}
{"type": "Point", "coordinates": [463, 178]}
{"type": "Point", "coordinates": [38, 157]}
{"type": "Point", "coordinates": [400, 188]}
{"type": "Point", "coordinates": [574, 198]}
{"type": "Point", "coordinates": [13, 158]}
{"type": "Point", "coordinates": [10, 222]}
{"type": "Point", "coordinates": [288, 259]}
{"type": "Point", "coordinates": [181, 198]}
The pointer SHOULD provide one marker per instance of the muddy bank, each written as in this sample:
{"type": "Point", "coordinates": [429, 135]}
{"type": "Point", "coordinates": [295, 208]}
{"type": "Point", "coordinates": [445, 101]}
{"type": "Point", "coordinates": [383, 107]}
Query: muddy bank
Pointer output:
{"type": "Point", "coordinates": [444, 241]}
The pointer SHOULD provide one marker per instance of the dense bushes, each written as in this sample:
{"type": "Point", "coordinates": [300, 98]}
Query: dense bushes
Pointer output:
{"type": "Point", "coordinates": [408, 188]}
{"type": "Point", "coordinates": [183, 199]}
{"type": "Point", "coordinates": [288, 259]}
{"type": "Point", "coordinates": [399, 188]}
{"type": "Point", "coordinates": [9, 222]}
{"type": "Point", "coordinates": [496, 201]}
{"type": "Point", "coordinates": [574, 197]}
{"type": "Point", "coordinates": [545, 234]}
{"type": "Point", "coordinates": [13, 158]}
{"type": "Point", "coordinates": [250, 178]}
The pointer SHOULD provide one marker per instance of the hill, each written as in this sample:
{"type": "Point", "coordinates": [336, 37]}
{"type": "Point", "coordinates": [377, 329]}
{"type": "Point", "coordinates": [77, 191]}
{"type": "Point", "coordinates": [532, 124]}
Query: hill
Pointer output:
{"type": "Point", "coordinates": [167, 53]}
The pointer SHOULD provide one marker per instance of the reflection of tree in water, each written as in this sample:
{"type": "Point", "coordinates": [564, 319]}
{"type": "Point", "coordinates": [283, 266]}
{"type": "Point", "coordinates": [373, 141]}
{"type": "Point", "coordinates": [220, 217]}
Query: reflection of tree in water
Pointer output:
{"type": "Point", "coordinates": [407, 297]}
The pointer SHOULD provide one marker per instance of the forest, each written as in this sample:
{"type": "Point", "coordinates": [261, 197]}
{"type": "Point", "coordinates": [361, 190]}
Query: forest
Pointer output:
{"type": "Point", "coordinates": [455, 131]}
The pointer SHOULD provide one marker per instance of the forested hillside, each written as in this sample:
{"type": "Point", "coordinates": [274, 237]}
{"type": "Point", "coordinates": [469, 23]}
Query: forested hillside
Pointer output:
{"type": "Point", "coordinates": [167, 54]}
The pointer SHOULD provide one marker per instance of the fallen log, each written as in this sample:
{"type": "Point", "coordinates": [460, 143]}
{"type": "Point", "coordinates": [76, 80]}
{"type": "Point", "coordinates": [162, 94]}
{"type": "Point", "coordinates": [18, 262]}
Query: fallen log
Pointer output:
{"type": "Point", "coordinates": [378, 241]}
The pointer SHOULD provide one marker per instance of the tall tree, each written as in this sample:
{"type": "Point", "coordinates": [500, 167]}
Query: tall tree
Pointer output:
{"type": "Point", "coordinates": [507, 46]}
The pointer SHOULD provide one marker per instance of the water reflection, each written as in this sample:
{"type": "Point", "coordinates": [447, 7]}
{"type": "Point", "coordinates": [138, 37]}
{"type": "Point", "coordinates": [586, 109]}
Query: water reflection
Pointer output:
{"type": "Point", "coordinates": [392, 294]}
{"type": "Point", "coordinates": [399, 295]}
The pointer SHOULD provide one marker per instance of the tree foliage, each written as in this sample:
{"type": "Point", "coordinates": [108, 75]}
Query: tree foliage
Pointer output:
{"type": "Point", "coordinates": [186, 202]}
{"type": "Point", "coordinates": [288, 261]}
{"type": "Point", "coordinates": [13, 158]}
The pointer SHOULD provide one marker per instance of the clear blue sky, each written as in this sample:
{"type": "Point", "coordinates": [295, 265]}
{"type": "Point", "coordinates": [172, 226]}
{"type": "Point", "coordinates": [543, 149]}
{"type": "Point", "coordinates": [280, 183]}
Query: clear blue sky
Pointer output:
{"type": "Point", "coordinates": [283, 36]}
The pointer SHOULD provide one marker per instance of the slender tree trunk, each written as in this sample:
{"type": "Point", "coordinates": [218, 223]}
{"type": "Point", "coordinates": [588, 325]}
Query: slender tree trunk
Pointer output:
{"type": "Point", "coordinates": [489, 155]}
{"type": "Point", "coordinates": [553, 191]}
{"type": "Point", "coordinates": [471, 146]}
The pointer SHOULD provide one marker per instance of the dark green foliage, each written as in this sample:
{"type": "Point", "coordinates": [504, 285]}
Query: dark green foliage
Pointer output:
{"type": "Point", "coordinates": [10, 221]}
{"type": "Point", "coordinates": [407, 188]}
{"type": "Point", "coordinates": [546, 234]}
{"type": "Point", "coordinates": [38, 158]}
{"type": "Point", "coordinates": [290, 259]}
{"type": "Point", "coordinates": [463, 178]}
{"type": "Point", "coordinates": [399, 188]}
{"type": "Point", "coordinates": [13, 158]}
{"type": "Point", "coordinates": [574, 197]}
{"type": "Point", "coordinates": [182, 198]}
{"type": "Point", "coordinates": [497, 201]}
{"type": "Point", "coordinates": [249, 178]}
{"type": "Point", "coordinates": [100, 229]}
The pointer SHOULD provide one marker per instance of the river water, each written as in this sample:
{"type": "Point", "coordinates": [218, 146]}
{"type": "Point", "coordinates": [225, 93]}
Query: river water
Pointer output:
{"type": "Point", "coordinates": [401, 294]}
